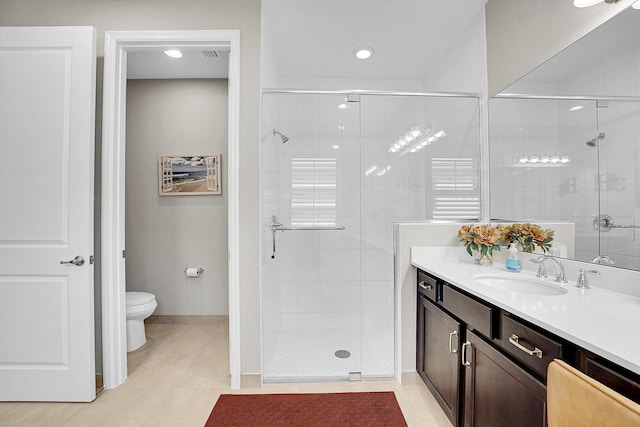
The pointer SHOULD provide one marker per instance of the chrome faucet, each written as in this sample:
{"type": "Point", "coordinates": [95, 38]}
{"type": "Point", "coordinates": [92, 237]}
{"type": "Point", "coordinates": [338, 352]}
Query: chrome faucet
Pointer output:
{"type": "Point", "coordinates": [542, 272]}
{"type": "Point", "coordinates": [582, 281]}
{"type": "Point", "coordinates": [603, 259]}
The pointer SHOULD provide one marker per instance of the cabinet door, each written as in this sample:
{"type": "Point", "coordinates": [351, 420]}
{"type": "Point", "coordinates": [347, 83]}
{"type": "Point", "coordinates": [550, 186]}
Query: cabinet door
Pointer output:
{"type": "Point", "coordinates": [497, 391]}
{"type": "Point", "coordinates": [439, 355]}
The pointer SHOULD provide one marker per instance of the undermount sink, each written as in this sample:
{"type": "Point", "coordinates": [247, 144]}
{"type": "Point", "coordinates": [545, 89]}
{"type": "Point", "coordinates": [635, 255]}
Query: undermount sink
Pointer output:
{"type": "Point", "coordinates": [522, 284]}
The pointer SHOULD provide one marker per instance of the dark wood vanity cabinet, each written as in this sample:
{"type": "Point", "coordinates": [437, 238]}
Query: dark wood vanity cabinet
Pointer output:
{"type": "Point", "coordinates": [498, 392]}
{"type": "Point", "coordinates": [486, 367]}
{"type": "Point", "coordinates": [460, 361]}
{"type": "Point", "coordinates": [438, 355]}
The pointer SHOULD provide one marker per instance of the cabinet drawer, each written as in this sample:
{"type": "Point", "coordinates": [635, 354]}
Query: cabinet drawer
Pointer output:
{"type": "Point", "coordinates": [475, 314]}
{"type": "Point", "coordinates": [427, 286]}
{"type": "Point", "coordinates": [519, 340]}
{"type": "Point", "coordinates": [613, 380]}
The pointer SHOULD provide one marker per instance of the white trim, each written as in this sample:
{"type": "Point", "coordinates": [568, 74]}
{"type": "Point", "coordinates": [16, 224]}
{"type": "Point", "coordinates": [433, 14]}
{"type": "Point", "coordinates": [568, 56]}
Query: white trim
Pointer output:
{"type": "Point", "coordinates": [113, 191]}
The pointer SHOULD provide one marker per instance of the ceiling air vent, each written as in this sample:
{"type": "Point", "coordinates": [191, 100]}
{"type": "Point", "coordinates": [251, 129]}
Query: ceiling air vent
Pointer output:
{"type": "Point", "coordinates": [211, 54]}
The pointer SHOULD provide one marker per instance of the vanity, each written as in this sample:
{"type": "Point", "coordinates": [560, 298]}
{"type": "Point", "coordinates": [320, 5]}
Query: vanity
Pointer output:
{"type": "Point", "coordinates": [485, 337]}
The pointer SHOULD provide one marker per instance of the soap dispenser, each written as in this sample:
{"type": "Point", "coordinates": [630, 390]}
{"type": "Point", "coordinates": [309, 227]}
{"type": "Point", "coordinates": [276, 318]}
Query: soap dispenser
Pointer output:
{"type": "Point", "coordinates": [513, 263]}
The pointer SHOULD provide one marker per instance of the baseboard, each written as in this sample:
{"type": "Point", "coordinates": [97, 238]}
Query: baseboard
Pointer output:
{"type": "Point", "coordinates": [183, 319]}
{"type": "Point", "coordinates": [99, 384]}
{"type": "Point", "coordinates": [250, 381]}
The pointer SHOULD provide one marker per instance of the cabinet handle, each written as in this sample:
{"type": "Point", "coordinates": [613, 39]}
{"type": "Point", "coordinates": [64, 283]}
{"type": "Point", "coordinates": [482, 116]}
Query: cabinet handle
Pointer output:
{"type": "Point", "coordinates": [425, 286]}
{"type": "Point", "coordinates": [514, 339]}
{"type": "Point", "coordinates": [451, 349]}
{"type": "Point", "coordinates": [464, 354]}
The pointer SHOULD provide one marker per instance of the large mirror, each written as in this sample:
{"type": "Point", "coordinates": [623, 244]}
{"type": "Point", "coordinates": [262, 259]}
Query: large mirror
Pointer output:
{"type": "Point", "coordinates": [565, 144]}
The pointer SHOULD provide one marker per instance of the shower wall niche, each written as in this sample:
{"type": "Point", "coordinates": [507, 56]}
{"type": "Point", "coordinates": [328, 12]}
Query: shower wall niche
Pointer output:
{"type": "Point", "coordinates": [338, 169]}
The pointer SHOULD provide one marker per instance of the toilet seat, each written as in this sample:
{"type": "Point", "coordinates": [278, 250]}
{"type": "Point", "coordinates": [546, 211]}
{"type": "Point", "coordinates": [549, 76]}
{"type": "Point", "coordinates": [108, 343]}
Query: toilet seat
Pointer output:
{"type": "Point", "coordinates": [138, 298]}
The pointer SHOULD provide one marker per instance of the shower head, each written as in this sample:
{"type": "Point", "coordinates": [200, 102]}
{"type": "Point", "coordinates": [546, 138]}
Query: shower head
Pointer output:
{"type": "Point", "coordinates": [283, 137]}
{"type": "Point", "coordinates": [593, 142]}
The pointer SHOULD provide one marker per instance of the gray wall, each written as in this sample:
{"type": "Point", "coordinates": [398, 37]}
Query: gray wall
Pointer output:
{"type": "Point", "coordinates": [164, 235]}
{"type": "Point", "coordinates": [522, 34]}
{"type": "Point", "coordinates": [243, 15]}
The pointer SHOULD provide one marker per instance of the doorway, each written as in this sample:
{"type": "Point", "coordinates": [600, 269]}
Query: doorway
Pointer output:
{"type": "Point", "coordinates": [117, 46]}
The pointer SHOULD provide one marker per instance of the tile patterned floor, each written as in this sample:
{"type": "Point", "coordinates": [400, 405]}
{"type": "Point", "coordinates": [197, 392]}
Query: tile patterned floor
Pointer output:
{"type": "Point", "coordinates": [176, 378]}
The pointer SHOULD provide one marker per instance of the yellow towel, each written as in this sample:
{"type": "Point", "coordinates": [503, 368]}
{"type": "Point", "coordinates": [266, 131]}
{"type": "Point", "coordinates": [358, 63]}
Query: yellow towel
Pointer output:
{"type": "Point", "coordinates": [576, 400]}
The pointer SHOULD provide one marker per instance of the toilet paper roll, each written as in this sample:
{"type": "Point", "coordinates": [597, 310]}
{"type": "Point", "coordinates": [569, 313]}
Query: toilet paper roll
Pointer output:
{"type": "Point", "coordinates": [193, 271]}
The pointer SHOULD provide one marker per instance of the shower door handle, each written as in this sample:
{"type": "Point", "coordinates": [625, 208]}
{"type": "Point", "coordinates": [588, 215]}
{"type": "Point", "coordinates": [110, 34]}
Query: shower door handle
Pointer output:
{"type": "Point", "coordinates": [77, 261]}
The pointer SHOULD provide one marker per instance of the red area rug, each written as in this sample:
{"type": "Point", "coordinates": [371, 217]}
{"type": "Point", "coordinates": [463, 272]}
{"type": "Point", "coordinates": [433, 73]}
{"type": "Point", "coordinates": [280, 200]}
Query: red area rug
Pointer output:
{"type": "Point", "coordinates": [308, 410]}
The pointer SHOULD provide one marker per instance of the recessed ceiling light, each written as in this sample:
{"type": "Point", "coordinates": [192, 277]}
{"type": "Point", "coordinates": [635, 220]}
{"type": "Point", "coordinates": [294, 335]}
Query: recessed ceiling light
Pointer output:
{"type": "Point", "coordinates": [364, 52]}
{"type": "Point", "coordinates": [173, 53]}
{"type": "Point", "coordinates": [576, 108]}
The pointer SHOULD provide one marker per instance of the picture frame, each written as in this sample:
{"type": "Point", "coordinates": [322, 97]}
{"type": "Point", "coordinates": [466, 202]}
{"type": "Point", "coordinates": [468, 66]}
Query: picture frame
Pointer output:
{"type": "Point", "coordinates": [189, 175]}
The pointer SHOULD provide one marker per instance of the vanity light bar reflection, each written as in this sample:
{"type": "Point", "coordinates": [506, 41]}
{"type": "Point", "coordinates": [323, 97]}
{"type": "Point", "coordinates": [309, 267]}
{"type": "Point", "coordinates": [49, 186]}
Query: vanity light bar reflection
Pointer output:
{"type": "Point", "coordinates": [415, 139]}
{"type": "Point", "coordinates": [543, 160]}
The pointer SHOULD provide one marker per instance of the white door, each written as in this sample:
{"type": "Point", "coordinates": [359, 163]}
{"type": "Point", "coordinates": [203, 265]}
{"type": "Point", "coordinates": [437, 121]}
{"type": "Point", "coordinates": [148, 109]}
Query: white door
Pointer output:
{"type": "Point", "coordinates": [47, 105]}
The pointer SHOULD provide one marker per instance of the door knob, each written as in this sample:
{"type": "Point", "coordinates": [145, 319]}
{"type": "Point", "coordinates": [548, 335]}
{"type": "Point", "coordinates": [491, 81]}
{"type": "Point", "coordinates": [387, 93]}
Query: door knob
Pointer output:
{"type": "Point", "coordinates": [77, 261]}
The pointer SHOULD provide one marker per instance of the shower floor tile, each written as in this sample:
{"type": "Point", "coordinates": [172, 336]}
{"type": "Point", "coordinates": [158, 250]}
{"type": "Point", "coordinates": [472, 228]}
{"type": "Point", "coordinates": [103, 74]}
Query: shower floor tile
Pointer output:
{"type": "Point", "coordinates": [310, 355]}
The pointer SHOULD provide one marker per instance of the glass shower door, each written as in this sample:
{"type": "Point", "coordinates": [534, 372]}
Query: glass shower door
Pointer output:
{"type": "Point", "coordinates": [312, 292]}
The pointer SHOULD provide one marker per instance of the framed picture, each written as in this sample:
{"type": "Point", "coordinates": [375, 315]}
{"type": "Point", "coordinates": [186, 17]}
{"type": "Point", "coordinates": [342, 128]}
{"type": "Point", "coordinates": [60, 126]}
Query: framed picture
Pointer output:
{"type": "Point", "coordinates": [189, 175]}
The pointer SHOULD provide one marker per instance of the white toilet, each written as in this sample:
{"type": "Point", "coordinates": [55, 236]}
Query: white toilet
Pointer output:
{"type": "Point", "coordinates": [140, 305]}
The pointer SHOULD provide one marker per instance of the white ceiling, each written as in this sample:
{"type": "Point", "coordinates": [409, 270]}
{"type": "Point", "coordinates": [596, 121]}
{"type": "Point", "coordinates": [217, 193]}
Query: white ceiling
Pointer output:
{"type": "Point", "coordinates": [316, 39]}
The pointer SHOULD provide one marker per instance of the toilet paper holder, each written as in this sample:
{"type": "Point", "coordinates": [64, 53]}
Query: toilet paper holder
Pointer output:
{"type": "Point", "coordinates": [193, 271]}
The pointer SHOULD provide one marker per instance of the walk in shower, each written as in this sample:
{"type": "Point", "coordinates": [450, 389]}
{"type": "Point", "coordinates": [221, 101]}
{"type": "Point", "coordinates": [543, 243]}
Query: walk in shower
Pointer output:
{"type": "Point", "coordinates": [338, 169]}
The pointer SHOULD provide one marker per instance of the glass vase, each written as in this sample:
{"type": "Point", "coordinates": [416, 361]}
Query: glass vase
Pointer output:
{"type": "Point", "coordinates": [482, 258]}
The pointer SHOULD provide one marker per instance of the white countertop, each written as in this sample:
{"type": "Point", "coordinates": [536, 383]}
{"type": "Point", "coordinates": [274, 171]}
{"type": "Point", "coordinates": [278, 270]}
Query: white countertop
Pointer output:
{"type": "Point", "coordinates": [604, 322]}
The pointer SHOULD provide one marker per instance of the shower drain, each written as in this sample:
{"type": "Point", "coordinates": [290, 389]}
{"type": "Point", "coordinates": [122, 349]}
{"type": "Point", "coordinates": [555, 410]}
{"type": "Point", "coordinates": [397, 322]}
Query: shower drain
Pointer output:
{"type": "Point", "coordinates": [342, 354]}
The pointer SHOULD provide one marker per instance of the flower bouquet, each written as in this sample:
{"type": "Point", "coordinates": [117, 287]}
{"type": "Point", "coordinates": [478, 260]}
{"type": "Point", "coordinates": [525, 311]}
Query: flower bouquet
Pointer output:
{"type": "Point", "coordinates": [480, 241]}
{"type": "Point", "coordinates": [526, 236]}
